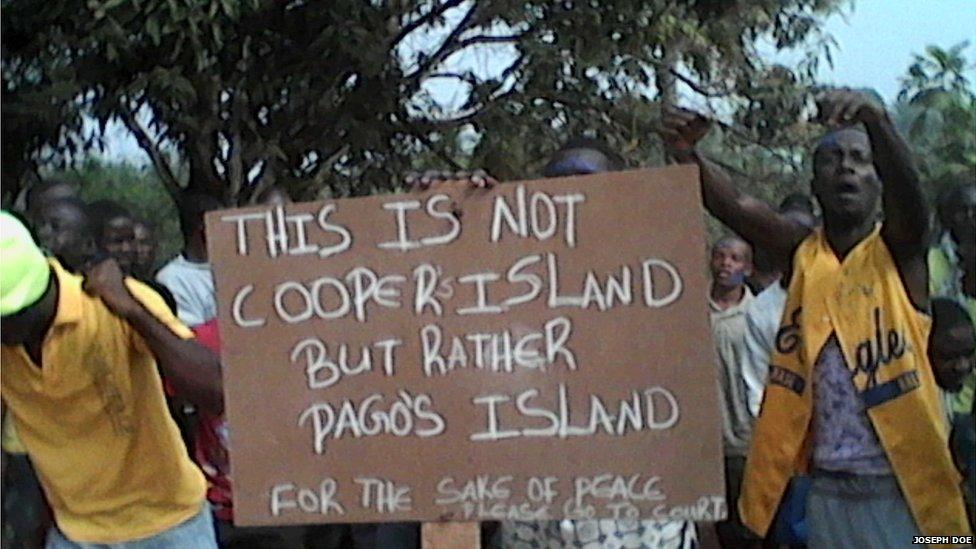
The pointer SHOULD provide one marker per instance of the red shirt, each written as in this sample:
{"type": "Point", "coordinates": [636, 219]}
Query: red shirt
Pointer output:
{"type": "Point", "coordinates": [212, 440]}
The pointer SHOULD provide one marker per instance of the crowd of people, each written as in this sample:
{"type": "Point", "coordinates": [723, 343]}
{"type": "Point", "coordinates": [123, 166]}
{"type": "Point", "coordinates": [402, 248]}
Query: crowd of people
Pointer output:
{"type": "Point", "coordinates": [844, 340]}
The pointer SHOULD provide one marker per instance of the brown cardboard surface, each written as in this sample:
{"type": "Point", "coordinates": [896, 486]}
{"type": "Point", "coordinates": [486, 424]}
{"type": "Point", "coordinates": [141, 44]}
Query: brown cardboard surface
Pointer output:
{"type": "Point", "coordinates": [450, 535]}
{"type": "Point", "coordinates": [403, 445]}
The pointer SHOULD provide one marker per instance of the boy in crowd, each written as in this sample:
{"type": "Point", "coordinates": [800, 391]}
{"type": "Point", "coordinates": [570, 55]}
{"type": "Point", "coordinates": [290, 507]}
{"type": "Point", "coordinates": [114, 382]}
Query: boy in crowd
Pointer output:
{"type": "Point", "coordinates": [65, 231]}
{"type": "Point", "coordinates": [728, 300]}
{"type": "Point", "coordinates": [46, 191]}
{"type": "Point", "coordinates": [115, 233]}
{"type": "Point", "coordinates": [188, 275]}
{"type": "Point", "coordinates": [952, 350]}
{"type": "Point", "coordinates": [952, 344]}
{"type": "Point", "coordinates": [952, 267]}
{"type": "Point", "coordinates": [850, 389]}
{"type": "Point", "coordinates": [145, 243]}
{"type": "Point", "coordinates": [765, 271]}
{"type": "Point", "coordinates": [957, 217]}
{"type": "Point", "coordinates": [81, 380]}
{"type": "Point", "coordinates": [189, 280]}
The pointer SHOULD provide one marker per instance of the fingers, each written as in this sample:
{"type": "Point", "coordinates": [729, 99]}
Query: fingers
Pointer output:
{"type": "Point", "coordinates": [413, 181]}
{"type": "Point", "coordinates": [93, 277]}
{"type": "Point", "coordinates": [840, 107]}
{"type": "Point", "coordinates": [430, 177]}
{"type": "Point", "coordinates": [421, 181]}
{"type": "Point", "coordinates": [682, 129]}
{"type": "Point", "coordinates": [479, 179]}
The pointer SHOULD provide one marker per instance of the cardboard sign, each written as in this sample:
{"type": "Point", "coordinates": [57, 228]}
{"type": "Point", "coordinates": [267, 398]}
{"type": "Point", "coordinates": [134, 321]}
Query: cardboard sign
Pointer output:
{"type": "Point", "coordinates": [536, 351]}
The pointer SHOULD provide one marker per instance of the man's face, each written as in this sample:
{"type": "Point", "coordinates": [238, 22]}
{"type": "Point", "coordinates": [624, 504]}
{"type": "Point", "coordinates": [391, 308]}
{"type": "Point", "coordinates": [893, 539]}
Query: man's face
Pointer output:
{"type": "Point", "coordinates": [952, 355]}
{"type": "Point", "coordinates": [577, 162]}
{"type": "Point", "coordinates": [845, 181]}
{"type": "Point", "coordinates": [51, 194]}
{"type": "Point", "coordinates": [63, 230]}
{"type": "Point", "coordinates": [730, 263]}
{"type": "Point", "coordinates": [145, 247]}
{"type": "Point", "coordinates": [961, 216]}
{"type": "Point", "coordinates": [118, 241]}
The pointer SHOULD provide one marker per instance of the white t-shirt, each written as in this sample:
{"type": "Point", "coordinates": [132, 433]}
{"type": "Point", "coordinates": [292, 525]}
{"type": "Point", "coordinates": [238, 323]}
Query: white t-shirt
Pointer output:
{"type": "Point", "coordinates": [762, 322]}
{"type": "Point", "coordinates": [729, 335]}
{"type": "Point", "coordinates": [193, 287]}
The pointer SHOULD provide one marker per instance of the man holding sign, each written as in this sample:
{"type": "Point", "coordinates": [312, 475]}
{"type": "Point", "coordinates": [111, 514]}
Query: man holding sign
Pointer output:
{"type": "Point", "coordinates": [850, 389]}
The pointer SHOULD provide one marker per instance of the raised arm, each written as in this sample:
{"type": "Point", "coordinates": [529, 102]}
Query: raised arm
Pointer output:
{"type": "Point", "coordinates": [193, 369]}
{"type": "Point", "coordinates": [750, 218]}
{"type": "Point", "coordinates": [906, 225]}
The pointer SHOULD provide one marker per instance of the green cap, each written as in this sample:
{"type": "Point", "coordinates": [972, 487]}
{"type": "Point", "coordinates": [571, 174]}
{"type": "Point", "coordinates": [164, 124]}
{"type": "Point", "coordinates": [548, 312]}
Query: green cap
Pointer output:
{"type": "Point", "coordinates": [24, 272]}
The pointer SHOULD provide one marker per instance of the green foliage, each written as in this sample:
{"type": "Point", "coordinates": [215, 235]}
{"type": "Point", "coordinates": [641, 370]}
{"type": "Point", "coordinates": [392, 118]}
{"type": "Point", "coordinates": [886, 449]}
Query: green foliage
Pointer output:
{"type": "Point", "coordinates": [338, 100]}
{"type": "Point", "coordinates": [937, 111]}
{"type": "Point", "coordinates": [137, 189]}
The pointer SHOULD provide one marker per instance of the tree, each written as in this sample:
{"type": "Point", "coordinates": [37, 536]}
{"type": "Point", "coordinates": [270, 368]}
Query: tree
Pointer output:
{"type": "Point", "coordinates": [247, 93]}
{"type": "Point", "coordinates": [937, 111]}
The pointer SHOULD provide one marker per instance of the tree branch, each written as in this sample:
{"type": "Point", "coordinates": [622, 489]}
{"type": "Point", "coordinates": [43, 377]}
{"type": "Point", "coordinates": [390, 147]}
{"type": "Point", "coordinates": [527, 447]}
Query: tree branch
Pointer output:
{"type": "Point", "coordinates": [473, 113]}
{"type": "Point", "coordinates": [464, 77]}
{"type": "Point", "coordinates": [446, 48]}
{"type": "Point", "coordinates": [318, 180]}
{"type": "Point", "coordinates": [487, 39]}
{"type": "Point", "coordinates": [235, 162]}
{"type": "Point", "coordinates": [152, 149]}
{"type": "Point", "coordinates": [696, 87]}
{"type": "Point", "coordinates": [668, 65]}
{"type": "Point", "coordinates": [744, 135]}
{"type": "Point", "coordinates": [425, 19]}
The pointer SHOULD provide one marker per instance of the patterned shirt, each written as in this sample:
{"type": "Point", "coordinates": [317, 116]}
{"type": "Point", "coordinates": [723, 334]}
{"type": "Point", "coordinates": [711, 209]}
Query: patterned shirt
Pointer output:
{"type": "Point", "coordinates": [598, 534]}
{"type": "Point", "coordinates": [843, 438]}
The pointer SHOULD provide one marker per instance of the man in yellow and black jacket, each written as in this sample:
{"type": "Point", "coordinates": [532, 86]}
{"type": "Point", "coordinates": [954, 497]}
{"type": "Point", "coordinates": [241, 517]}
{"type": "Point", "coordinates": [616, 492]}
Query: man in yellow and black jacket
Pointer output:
{"type": "Point", "coordinates": [851, 396]}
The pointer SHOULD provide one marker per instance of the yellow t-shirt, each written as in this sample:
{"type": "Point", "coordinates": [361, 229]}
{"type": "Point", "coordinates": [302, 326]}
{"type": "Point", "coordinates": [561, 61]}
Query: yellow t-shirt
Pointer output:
{"type": "Point", "coordinates": [94, 421]}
